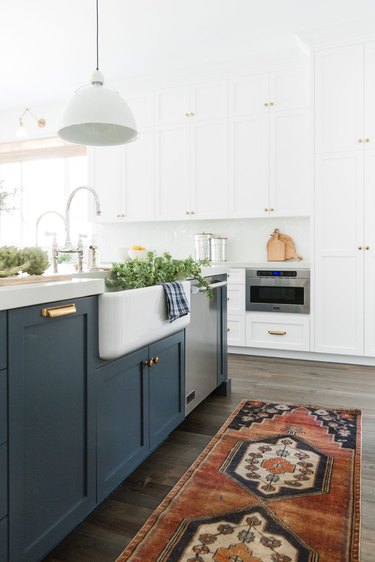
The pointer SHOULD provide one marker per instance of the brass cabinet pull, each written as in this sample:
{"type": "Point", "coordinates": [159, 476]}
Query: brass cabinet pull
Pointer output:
{"type": "Point", "coordinates": [149, 362]}
{"type": "Point", "coordinates": [266, 104]}
{"type": "Point", "coordinates": [360, 141]}
{"type": "Point", "coordinates": [156, 360]}
{"type": "Point", "coordinates": [272, 209]}
{"type": "Point", "coordinates": [57, 311]}
{"type": "Point", "coordinates": [272, 104]}
{"type": "Point", "coordinates": [276, 332]}
{"type": "Point", "coordinates": [266, 209]}
{"type": "Point", "coordinates": [187, 114]}
{"type": "Point", "coordinates": [360, 248]}
{"type": "Point", "coordinates": [367, 247]}
{"type": "Point", "coordinates": [228, 329]}
{"type": "Point", "coordinates": [367, 140]}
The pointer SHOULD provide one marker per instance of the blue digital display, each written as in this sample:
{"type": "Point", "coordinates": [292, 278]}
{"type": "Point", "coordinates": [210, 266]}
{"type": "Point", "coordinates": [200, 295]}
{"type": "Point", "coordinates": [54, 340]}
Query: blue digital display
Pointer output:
{"type": "Point", "coordinates": [276, 273]}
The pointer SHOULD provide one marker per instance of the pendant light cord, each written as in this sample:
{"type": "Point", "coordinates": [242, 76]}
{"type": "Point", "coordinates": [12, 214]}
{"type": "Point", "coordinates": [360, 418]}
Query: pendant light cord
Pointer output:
{"type": "Point", "coordinates": [97, 34]}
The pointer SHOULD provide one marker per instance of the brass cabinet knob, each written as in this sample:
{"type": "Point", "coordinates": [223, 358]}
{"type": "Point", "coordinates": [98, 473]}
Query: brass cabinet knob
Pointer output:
{"type": "Point", "coordinates": [360, 140]}
{"type": "Point", "coordinates": [367, 140]}
{"type": "Point", "coordinates": [360, 248]}
{"type": "Point", "coordinates": [272, 104]}
{"type": "Point", "coordinates": [156, 360]}
{"type": "Point", "coordinates": [266, 209]}
{"type": "Point", "coordinates": [271, 209]}
{"type": "Point", "coordinates": [266, 104]}
{"type": "Point", "coordinates": [192, 114]}
{"type": "Point", "coordinates": [187, 213]}
{"type": "Point", "coordinates": [187, 114]}
{"type": "Point", "coordinates": [228, 329]}
{"type": "Point", "coordinates": [149, 362]}
{"type": "Point", "coordinates": [192, 212]}
{"type": "Point", "coordinates": [367, 247]}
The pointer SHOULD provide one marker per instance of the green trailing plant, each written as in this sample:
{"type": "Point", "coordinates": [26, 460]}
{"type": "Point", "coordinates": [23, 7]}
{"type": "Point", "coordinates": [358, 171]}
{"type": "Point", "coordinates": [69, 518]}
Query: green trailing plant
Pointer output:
{"type": "Point", "coordinates": [33, 261]}
{"type": "Point", "coordinates": [154, 270]}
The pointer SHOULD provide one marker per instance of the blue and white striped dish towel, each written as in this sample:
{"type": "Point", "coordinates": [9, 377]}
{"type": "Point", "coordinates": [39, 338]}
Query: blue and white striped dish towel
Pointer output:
{"type": "Point", "coordinates": [177, 303]}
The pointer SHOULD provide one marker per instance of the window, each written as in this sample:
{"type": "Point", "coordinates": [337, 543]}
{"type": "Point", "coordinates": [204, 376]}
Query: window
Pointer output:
{"type": "Point", "coordinates": [38, 176]}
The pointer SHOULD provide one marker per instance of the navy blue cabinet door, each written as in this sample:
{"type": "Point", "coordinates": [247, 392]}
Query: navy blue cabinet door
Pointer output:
{"type": "Point", "coordinates": [167, 387]}
{"type": "Point", "coordinates": [122, 417]}
{"type": "Point", "coordinates": [3, 340]}
{"type": "Point", "coordinates": [51, 426]}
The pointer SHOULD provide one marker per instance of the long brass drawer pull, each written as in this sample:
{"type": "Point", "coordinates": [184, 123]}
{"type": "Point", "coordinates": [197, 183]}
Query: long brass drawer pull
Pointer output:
{"type": "Point", "coordinates": [276, 332]}
{"type": "Point", "coordinates": [57, 311]}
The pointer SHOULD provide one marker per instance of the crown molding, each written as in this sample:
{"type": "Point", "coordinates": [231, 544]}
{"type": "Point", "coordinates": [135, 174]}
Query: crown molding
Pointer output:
{"type": "Point", "coordinates": [336, 35]}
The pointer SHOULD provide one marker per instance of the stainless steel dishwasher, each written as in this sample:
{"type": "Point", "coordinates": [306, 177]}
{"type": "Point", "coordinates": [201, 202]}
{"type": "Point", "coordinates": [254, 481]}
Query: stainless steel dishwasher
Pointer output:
{"type": "Point", "coordinates": [206, 342]}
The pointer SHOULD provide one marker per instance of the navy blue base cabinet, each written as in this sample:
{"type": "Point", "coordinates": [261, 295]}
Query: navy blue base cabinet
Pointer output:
{"type": "Point", "coordinates": [140, 401]}
{"type": "Point", "coordinates": [52, 440]}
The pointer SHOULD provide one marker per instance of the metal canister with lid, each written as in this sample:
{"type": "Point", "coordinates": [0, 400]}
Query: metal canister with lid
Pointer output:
{"type": "Point", "coordinates": [202, 246]}
{"type": "Point", "coordinates": [218, 248]}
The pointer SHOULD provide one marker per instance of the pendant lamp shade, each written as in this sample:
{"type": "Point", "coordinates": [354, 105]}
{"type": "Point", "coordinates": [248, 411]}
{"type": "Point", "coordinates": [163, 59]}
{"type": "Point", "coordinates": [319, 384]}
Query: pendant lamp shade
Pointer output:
{"type": "Point", "coordinates": [98, 116]}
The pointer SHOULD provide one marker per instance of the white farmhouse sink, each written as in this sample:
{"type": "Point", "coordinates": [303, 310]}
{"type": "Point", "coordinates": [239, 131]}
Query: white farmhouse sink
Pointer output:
{"type": "Point", "coordinates": [131, 319]}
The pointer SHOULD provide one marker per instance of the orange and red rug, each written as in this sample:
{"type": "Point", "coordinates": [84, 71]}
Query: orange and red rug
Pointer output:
{"type": "Point", "coordinates": [277, 483]}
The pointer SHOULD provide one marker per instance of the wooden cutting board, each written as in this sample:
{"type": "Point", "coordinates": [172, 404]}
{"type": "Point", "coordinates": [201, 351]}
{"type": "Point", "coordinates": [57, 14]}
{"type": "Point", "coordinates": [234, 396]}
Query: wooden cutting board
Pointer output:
{"type": "Point", "coordinates": [26, 279]}
{"type": "Point", "coordinates": [276, 248]}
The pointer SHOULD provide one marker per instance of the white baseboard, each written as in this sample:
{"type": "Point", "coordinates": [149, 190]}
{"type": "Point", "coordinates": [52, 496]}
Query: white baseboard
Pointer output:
{"type": "Point", "coordinates": [304, 355]}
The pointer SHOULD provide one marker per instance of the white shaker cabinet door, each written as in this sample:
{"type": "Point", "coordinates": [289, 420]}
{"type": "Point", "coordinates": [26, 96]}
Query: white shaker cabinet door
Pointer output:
{"type": "Point", "coordinates": [208, 101]}
{"type": "Point", "coordinates": [106, 167]}
{"type": "Point", "coordinates": [369, 129]}
{"type": "Point", "coordinates": [339, 297]}
{"type": "Point", "coordinates": [139, 173]}
{"type": "Point", "coordinates": [249, 166]}
{"type": "Point", "coordinates": [249, 96]}
{"type": "Point", "coordinates": [339, 95]}
{"type": "Point", "coordinates": [369, 244]}
{"type": "Point", "coordinates": [172, 106]}
{"type": "Point", "coordinates": [289, 89]}
{"type": "Point", "coordinates": [290, 163]}
{"type": "Point", "coordinates": [209, 169]}
{"type": "Point", "coordinates": [172, 180]}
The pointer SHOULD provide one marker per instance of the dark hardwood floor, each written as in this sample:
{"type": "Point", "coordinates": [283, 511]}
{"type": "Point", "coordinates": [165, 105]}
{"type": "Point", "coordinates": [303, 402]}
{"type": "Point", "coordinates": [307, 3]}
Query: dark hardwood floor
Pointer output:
{"type": "Point", "coordinates": [104, 534]}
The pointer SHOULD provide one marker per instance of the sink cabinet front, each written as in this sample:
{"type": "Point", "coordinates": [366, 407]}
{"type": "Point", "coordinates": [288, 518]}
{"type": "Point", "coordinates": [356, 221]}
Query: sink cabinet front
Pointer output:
{"type": "Point", "coordinates": [138, 406]}
{"type": "Point", "coordinates": [51, 426]}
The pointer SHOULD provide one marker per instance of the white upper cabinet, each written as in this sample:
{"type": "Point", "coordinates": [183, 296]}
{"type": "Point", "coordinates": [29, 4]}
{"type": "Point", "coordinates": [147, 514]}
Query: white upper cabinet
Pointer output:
{"type": "Point", "coordinates": [249, 96]}
{"type": "Point", "coordinates": [209, 101]}
{"type": "Point", "coordinates": [289, 89]}
{"type": "Point", "coordinates": [142, 107]}
{"type": "Point", "coordinates": [290, 163]}
{"type": "Point", "coordinates": [139, 177]}
{"type": "Point", "coordinates": [201, 101]}
{"type": "Point", "coordinates": [106, 167]}
{"type": "Point", "coordinates": [270, 145]}
{"type": "Point", "coordinates": [209, 167]}
{"type": "Point", "coordinates": [249, 164]}
{"type": "Point", "coordinates": [369, 126]}
{"type": "Point", "coordinates": [172, 180]}
{"type": "Point", "coordinates": [339, 99]}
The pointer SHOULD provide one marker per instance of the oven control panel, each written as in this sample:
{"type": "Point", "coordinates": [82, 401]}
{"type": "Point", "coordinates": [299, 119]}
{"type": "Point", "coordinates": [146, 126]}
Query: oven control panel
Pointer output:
{"type": "Point", "coordinates": [268, 273]}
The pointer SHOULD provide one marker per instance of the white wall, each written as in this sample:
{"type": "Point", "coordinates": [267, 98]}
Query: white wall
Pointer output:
{"type": "Point", "coordinates": [247, 238]}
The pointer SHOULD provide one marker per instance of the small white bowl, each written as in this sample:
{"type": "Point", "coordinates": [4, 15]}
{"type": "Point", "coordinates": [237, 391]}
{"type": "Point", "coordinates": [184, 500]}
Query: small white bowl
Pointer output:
{"type": "Point", "coordinates": [141, 254]}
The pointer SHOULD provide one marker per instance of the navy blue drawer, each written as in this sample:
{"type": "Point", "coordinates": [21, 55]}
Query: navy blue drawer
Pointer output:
{"type": "Point", "coordinates": [3, 481]}
{"type": "Point", "coordinates": [4, 540]}
{"type": "Point", "coordinates": [3, 408]}
{"type": "Point", "coordinates": [3, 340]}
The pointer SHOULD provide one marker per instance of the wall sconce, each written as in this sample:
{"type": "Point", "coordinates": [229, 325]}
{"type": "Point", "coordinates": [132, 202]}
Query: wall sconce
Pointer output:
{"type": "Point", "coordinates": [21, 131]}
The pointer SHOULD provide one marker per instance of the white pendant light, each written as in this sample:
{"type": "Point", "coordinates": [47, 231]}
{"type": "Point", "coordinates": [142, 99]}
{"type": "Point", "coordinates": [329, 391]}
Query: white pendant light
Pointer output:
{"type": "Point", "coordinates": [97, 115]}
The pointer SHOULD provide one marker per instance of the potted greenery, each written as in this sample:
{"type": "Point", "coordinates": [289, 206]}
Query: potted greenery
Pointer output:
{"type": "Point", "coordinates": [155, 270]}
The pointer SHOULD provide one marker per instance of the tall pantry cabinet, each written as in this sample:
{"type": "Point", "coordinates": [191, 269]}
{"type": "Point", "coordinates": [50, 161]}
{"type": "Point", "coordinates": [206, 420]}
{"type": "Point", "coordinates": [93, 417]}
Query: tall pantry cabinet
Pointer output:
{"type": "Point", "coordinates": [345, 200]}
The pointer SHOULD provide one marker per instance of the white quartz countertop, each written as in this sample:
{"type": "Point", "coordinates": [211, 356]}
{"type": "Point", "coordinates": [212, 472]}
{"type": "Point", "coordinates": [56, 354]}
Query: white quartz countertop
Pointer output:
{"type": "Point", "coordinates": [16, 296]}
{"type": "Point", "coordinates": [263, 265]}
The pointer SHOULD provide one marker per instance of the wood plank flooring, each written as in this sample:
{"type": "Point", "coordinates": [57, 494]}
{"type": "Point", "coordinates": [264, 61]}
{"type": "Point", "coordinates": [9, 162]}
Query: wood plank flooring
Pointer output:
{"type": "Point", "coordinates": [104, 534]}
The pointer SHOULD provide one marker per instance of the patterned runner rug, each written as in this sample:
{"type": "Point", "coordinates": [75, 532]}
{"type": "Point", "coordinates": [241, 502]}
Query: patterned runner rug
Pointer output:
{"type": "Point", "coordinates": [277, 483]}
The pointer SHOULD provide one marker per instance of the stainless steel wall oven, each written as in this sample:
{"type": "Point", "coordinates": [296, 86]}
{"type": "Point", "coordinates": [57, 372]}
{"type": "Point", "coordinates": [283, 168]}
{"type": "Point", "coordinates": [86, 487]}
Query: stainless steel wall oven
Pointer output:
{"type": "Point", "coordinates": [276, 290]}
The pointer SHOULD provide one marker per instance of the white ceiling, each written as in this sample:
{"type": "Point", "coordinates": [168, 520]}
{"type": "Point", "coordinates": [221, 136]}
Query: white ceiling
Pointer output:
{"type": "Point", "coordinates": [47, 47]}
